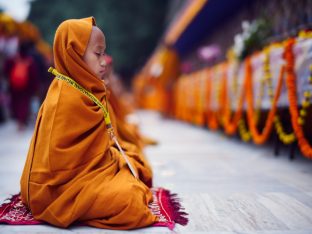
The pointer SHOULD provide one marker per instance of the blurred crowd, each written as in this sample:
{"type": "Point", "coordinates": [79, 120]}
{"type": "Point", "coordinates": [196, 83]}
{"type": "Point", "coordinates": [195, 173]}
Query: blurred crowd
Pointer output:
{"type": "Point", "coordinates": [24, 80]}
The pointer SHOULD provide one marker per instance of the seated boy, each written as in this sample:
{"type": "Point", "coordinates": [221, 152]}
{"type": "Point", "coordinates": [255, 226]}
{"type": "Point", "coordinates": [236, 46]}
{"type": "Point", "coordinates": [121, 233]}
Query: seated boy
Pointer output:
{"type": "Point", "coordinates": [74, 171]}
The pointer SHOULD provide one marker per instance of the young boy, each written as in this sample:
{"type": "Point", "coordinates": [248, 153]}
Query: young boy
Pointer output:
{"type": "Point", "coordinates": [74, 171]}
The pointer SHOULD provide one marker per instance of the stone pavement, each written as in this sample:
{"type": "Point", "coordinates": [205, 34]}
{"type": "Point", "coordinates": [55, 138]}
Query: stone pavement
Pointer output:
{"type": "Point", "coordinates": [226, 186]}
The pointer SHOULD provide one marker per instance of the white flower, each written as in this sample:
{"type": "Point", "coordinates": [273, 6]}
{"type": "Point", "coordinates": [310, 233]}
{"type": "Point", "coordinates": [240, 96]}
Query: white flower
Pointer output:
{"type": "Point", "coordinates": [238, 44]}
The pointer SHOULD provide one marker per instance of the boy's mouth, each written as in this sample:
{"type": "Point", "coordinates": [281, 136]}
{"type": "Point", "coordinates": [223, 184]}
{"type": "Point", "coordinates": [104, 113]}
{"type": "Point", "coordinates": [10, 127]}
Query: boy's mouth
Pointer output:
{"type": "Point", "coordinates": [103, 72]}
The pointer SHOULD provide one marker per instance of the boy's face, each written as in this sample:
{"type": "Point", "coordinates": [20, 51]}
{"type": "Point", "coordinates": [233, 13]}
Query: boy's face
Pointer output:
{"type": "Point", "coordinates": [94, 55]}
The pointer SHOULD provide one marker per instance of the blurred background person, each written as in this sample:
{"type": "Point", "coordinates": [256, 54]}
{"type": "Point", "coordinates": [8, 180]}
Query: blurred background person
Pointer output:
{"type": "Point", "coordinates": [23, 78]}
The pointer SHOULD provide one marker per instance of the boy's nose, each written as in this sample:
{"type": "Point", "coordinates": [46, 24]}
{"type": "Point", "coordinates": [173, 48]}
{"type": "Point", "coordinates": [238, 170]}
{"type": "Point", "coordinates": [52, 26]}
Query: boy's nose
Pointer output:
{"type": "Point", "coordinates": [103, 63]}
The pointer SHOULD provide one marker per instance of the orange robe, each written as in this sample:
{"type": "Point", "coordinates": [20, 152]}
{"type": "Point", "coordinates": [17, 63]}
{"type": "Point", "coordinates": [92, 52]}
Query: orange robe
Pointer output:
{"type": "Point", "coordinates": [73, 171]}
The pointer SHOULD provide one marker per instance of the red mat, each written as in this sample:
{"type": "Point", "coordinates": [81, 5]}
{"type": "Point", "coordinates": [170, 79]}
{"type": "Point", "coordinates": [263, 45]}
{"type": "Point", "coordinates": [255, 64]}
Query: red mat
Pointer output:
{"type": "Point", "coordinates": [165, 205]}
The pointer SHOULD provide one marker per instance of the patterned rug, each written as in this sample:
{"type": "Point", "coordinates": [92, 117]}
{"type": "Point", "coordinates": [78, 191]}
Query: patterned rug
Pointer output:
{"type": "Point", "coordinates": [165, 205]}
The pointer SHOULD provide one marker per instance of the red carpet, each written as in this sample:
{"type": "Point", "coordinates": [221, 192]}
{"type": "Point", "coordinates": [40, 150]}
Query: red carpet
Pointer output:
{"type": "Point", "coordinates": [165, 205]}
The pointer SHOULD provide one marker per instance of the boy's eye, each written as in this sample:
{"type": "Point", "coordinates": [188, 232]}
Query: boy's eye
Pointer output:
{"type": "Point", "coordinates": [99, 53]}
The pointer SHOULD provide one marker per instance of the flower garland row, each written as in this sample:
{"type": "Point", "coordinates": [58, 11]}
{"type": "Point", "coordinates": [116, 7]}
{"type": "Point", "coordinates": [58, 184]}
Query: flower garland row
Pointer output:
{"type": "Point", "coordinates": [209, 101]}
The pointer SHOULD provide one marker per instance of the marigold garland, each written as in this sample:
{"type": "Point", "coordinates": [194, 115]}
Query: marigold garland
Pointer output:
{"type": "Point", "coordinates": [243, 131]}
{"type": "Point", "coordinates": [303, 143]}
{"type": "Point", "coordinates": [212, 121]}
{"type": "Point", "coordinates": [221, 94]}
{"type": "Point", "coordinates": [200, 98]}
{"type": "Point", "coordinates": [284, 137]}
{"type": "Point", "coordinates": [231, 124]}
{"type": "Point", "coordinates": [260, 137]}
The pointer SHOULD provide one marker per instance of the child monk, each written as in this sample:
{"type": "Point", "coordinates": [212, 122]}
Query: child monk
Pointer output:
{"type": "Point", "coordinates": [74, 171]}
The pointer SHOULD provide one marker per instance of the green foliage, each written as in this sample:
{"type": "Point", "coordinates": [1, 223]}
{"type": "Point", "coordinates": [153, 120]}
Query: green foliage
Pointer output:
{"type": "Point", "coordinates": [132, 27]}
{"type": "Point", "coordinates": [253, 38]}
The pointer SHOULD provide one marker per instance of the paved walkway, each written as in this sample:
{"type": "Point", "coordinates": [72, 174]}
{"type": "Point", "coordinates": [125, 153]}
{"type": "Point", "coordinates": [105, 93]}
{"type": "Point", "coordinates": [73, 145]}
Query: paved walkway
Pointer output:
{"type": "Point", "coordinates": [226, 186]}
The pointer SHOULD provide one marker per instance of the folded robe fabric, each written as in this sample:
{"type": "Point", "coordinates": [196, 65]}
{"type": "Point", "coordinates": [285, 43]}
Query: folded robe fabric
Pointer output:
{"type": "Point", "coordinates": [73, 171]}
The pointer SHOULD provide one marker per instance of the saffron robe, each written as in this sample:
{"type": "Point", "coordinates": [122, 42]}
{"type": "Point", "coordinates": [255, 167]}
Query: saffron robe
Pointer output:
{"type": "Point", "coordinates": [73, 171]}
